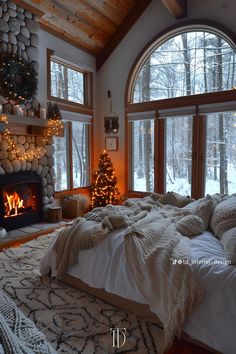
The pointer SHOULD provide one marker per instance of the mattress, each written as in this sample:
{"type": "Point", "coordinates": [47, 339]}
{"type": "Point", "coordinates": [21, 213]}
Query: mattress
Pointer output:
{"type": "Point", "coordinates": [212, 322]}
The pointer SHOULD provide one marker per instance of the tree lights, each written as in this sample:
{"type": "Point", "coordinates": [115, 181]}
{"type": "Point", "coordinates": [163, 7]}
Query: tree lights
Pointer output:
{"type": "Point", "coordinates": [104, 190]}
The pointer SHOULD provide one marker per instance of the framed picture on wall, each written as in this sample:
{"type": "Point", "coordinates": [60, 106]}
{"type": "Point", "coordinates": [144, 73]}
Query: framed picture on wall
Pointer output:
{"type": "Point", "coordinates": [111, 143]}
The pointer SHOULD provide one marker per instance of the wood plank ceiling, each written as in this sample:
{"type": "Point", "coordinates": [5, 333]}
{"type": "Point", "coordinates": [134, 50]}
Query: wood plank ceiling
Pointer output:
{"type": "Point", "coordinates": [96, 26]}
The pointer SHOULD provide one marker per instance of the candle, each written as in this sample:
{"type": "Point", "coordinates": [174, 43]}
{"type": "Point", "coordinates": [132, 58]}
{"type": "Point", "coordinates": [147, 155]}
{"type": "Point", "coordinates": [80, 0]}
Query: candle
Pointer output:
{"type": "Point", "coordinates": [1, 109]}
{"type": "Point", "coordinates": [43, 113]}
{"type": "Point", "coordinates": [30, 113]}
{"type": "Point", "coordinates": [15, 109]}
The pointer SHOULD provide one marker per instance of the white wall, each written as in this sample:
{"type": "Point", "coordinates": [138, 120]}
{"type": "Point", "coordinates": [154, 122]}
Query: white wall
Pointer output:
{"type": "Point", "coordinates": [64, 50]}
{"type": "Point", "coordinates": [114, 73]}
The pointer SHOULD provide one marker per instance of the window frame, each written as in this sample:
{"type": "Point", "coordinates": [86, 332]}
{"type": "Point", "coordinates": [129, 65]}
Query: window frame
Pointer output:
{"type": "Point", "coordinates": [69, 147]}
{"type": "Point", "coordinates": [88, 83]}
{"type": "Point", "coordinates": [199, 120]}
{"type": "Point", "coordinates": [73, 107]}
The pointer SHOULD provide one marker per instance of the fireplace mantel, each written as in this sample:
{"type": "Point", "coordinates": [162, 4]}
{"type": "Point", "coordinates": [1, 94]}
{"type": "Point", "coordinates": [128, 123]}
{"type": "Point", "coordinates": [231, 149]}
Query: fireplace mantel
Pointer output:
{"type": "Point", "coordinates": [26, 121]}
{"type": "Point", "coordinates": [27, 125]}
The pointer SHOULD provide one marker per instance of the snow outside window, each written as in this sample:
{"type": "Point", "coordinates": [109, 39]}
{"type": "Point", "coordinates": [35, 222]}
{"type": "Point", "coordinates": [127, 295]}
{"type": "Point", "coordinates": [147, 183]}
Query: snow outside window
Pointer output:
{"type": "Point", "coordinates": [66, 83]}
{"type": "Point", "coordinates": [178, 154]}
{"type": "Point", "coordinates": [186, 64]}
{"type": "Point", "coordinates": [220, 165]}
{"type": "Point", "coordinates": [142, 152]}
{"type": "Point", "coordinates": [71, 156]}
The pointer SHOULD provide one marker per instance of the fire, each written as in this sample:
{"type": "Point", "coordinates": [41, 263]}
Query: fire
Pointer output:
{"type": "Point", "coordinates": [14, 204]}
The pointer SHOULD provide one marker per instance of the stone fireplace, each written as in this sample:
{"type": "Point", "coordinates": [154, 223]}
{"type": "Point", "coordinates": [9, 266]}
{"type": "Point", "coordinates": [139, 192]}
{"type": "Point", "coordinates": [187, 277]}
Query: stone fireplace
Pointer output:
{"type": "Point", "coordinates": [26, 167]}
{"type": "Point", "coordinates": [26, 185]}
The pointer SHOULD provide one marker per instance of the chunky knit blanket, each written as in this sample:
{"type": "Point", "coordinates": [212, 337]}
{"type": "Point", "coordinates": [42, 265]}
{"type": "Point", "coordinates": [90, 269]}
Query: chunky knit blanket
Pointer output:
{"type": "Point", "coordinates": [160, 261]}
{"type": "Point", "coordinates": [18, 335]}
{"type": "Point", "coordinates": [158, 256]}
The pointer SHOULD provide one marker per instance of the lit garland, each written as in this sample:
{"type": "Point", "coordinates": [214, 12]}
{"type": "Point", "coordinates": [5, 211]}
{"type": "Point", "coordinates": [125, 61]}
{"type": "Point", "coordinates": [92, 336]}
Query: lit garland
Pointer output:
{"type": "Point", "coordinates": [55, 127]}
{"type": "Point", "coordinates": [37, 152]}
{"type": "Point", "coordinates": [18, 79]}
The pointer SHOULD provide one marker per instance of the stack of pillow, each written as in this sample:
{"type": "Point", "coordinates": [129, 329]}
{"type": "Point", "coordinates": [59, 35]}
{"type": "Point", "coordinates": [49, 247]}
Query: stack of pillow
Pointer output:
{"type": "Point", "coordinates": [215, 211]}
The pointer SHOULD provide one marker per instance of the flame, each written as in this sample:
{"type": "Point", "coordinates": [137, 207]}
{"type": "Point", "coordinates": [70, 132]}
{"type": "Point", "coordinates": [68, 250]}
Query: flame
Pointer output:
{"type": "Point", "coordinates": [13, 204]}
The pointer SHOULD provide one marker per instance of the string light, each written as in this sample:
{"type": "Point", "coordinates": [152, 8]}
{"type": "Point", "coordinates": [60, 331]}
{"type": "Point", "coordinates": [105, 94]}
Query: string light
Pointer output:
{"type": "Point", "coordinates": [54, 127]}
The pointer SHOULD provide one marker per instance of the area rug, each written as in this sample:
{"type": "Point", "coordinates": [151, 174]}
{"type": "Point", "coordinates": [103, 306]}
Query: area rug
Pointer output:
{"type": "Point", "coordinates": [72, 320]}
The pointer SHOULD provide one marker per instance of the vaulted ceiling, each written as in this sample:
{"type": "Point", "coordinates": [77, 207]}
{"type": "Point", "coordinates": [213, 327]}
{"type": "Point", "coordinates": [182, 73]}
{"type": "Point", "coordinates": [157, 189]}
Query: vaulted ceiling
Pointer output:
{"type": "Point", "coordinates": [96, 26]}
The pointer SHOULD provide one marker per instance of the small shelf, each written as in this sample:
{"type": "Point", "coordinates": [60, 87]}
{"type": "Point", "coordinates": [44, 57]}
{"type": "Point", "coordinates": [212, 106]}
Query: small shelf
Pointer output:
{"type": "Point", "coordinates": [27, 121]}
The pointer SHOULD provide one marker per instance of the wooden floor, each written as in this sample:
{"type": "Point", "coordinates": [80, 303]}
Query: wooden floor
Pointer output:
{"type": "Point", "coordinates": [184, 347]}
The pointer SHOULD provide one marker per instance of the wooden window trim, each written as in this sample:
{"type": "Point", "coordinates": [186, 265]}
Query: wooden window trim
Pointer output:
{"type": "Point", "coordinates": [81, 190]}
{"type": "Point", "coordinates": [88, 85]}
{"type": "Point", "coordinates": [71, 190]}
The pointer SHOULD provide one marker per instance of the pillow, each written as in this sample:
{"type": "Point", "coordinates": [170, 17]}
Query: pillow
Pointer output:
{"type": "Point", "coordinates": [224, 217]}
{"type": "Point", "coordinates": [190, 225]}
{"type": "Point", "coordinates": [156, 196]}
{"type": "Point", "coordinates": [228, 240]}
{"type": "Point", "coordinates": [175, 199]}
{"type": "Point", "coordinates": [203, 208]}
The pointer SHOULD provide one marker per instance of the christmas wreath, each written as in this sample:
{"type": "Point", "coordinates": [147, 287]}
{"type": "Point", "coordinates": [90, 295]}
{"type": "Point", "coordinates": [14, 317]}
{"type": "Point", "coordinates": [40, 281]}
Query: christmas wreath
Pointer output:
{"type": "Point", "coordinates": [18, 79]}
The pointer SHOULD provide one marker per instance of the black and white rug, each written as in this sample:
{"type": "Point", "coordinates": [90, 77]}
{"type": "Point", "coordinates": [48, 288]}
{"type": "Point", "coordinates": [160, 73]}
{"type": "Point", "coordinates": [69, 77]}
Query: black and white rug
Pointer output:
{"type": "Point", "coordinates": [72, 320]}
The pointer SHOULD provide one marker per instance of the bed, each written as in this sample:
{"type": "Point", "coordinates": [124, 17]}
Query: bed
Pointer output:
{"type": "Point", "coordinates": [103, 270]}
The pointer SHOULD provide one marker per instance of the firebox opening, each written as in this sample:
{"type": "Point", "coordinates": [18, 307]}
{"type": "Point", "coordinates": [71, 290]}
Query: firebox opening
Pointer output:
{"type": "Point", "coordinates": [20, 200]}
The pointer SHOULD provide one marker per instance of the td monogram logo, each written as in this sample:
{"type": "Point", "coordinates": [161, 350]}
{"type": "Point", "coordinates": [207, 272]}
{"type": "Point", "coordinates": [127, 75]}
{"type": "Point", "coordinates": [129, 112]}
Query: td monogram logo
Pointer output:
{"type": "Point", "coordinates": [116, 333]}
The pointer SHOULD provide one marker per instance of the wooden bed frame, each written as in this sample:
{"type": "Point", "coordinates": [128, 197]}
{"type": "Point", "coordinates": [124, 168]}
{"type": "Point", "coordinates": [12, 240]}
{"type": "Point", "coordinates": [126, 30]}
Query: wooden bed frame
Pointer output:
{"type": "Point", "coordinates": [140, 310]}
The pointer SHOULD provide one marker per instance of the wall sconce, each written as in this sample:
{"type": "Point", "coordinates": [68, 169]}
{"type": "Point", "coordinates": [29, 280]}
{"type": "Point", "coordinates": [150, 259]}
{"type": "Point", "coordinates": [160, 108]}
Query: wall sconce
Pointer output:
{"type": "Point", "coordinates": [111, 119]}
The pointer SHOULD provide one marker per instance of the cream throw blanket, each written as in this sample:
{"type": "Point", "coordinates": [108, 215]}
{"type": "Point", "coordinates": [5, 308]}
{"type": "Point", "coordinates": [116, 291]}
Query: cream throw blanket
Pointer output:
{"type": "Point", "coordinates": [158, 256]}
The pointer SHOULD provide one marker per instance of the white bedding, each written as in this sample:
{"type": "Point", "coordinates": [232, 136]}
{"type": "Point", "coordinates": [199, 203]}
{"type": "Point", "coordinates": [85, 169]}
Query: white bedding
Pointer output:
{"type": "Point", "coordinates": [213, 322]}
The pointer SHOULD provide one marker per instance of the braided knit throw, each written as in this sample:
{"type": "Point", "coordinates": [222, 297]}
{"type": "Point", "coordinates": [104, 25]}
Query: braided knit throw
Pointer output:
{"type": "Point", "coordinates": [18, 334]}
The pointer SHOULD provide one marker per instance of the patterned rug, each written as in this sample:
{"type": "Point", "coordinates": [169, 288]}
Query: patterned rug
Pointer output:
{"type": "Point", "coordinates": [72, 320]}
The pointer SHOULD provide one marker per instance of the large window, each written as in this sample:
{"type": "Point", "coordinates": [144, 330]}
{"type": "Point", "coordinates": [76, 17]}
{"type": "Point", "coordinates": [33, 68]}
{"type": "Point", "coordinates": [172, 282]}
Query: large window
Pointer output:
{"type": "Point", "coordinates": [67, 83]}
{"type": "Point", "coordinates": [71, 87]}
{"type": "Point", "coordinates": [188, 80]}
{"type": "Point", "coordinates": [71, 157]}
{"type": "Point", "coordinates": [186, 64]}
{"type": "Point", "coordinates": [178, 156]}
{"type": "Point", "coordinates": [142, 152]}
{"type": "Point", "coordinates": [220, 165]}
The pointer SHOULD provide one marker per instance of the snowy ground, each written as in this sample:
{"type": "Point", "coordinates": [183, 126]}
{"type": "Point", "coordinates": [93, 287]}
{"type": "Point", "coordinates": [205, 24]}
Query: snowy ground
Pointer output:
{"type": "Point", "coordinates": [182, 186]}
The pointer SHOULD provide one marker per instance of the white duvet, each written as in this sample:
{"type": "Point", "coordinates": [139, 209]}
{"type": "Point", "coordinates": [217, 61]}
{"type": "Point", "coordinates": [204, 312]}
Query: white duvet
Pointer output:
{"type": "Point", "coordinates": [213, 322]}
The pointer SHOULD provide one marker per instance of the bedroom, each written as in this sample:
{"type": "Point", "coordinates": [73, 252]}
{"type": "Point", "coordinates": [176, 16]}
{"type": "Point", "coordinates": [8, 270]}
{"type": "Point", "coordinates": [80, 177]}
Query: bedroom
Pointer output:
{"type": "Point", "coordinates": [114, 59]}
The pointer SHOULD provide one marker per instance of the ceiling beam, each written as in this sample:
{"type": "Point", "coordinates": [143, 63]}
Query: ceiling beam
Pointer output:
{"type": "Point", "coordinates": [28, 7]}
{"type": "Point", "coordinates": [61, 34]}
{"type": "Point", "coordinates": [89, 14]}
{"type": "Point", "coordinates": [123, 29]}
{"type": "Point", "coordinates": [71, 24]}
{"type": "Point", "coordinates": [178, 8]}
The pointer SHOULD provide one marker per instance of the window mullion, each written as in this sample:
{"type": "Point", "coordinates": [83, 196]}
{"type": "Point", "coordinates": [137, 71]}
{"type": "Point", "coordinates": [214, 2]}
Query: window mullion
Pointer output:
{"type": "Point", "coordinates": [198, 156]}
{"type": "Point", "coordinates": [202, 155]}
{"type": "Point", "coordinates": [159, 155]}
{"type": "Point", "coordinates": [70, 158]}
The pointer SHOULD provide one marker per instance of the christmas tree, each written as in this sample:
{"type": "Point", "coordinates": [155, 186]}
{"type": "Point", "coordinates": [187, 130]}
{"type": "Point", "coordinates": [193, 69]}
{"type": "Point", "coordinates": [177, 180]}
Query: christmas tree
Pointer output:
{"type": "Point", "coordinates": [104, 190]}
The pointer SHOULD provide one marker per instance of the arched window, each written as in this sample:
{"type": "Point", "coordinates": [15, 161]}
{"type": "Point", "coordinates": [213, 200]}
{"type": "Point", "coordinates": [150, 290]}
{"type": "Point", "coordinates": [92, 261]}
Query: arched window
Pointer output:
{"type": "Point", "coordinates": [182, 114]}
{"type": "Point", "coordinates": [185, 64]}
